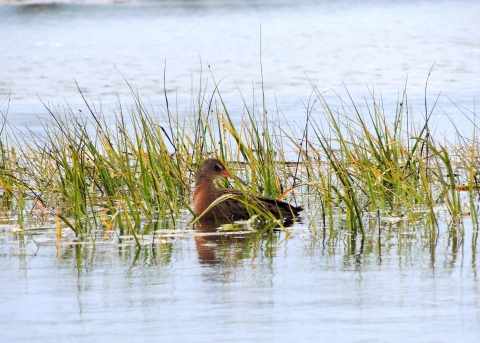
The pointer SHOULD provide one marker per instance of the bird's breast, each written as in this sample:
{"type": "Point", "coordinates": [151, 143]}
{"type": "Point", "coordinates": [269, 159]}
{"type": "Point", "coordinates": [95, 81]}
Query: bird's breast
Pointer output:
{"type": "Point", "coordinates": [202, 198]}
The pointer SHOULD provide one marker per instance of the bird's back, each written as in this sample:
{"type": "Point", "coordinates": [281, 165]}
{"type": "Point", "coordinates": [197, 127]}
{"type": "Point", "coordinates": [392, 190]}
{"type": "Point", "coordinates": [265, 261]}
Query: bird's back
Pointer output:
{"type": "Point", "coordinates": [234, 208]}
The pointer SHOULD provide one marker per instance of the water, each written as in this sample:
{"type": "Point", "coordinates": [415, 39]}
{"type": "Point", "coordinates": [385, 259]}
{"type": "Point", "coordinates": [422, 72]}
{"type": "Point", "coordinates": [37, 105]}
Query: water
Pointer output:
{"type": "Point", "coordinates": [205, 289]}
{"type": "Point", "coordinates": [200, 288]}
{"type": "Point", "coordinates": [374, 45]}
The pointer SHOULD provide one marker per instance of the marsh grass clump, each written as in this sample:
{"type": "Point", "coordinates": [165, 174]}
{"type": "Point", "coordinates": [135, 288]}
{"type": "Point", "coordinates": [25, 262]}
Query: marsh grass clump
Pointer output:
{"type": "Point", "coordinates": [376, 167]}
{"type": "Point", "coordinates": [88, 171]}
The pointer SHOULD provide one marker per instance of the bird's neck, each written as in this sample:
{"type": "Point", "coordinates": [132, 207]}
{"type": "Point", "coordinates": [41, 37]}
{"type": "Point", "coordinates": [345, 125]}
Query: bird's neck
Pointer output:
{"type": "Point", "coordinates": [203, 196]}
{"type": "Point", "coordinates": [204, 184]}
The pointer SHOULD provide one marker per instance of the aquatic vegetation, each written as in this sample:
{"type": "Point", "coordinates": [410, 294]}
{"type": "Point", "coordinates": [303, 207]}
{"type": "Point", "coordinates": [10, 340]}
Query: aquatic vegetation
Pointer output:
{"type": "Point", "coordinates": [132, 172]}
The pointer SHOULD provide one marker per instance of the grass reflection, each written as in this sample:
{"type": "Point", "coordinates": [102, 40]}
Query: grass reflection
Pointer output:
{"type": "Point", "coordinates": [370, 181]}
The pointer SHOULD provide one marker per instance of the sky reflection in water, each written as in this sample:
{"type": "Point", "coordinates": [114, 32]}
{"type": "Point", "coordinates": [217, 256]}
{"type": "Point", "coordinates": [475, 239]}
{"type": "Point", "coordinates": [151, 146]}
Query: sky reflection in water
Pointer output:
{"type": "Point", "coordinates": [202, 288]}
{"type": "Point", "coordinates": [243, 288]}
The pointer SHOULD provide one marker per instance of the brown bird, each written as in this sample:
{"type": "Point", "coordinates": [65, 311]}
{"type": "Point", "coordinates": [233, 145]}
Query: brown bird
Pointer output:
{"type": "Point", "coordinates": [206, 193]}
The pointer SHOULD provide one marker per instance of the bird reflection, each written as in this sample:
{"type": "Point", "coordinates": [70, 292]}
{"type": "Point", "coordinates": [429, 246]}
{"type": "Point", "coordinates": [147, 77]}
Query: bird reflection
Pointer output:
{"type": "Point", "coordinates": [206, 244]}
{"type": "Point", "coordinates": [215, 246]}
{"type": "Point", "coordinates": [212, 242]}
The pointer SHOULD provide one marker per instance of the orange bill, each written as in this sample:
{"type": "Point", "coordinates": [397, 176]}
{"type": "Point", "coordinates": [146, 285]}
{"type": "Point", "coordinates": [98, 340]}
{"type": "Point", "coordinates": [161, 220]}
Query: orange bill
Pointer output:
{"type": "Point", "coordinates": [227, 174]}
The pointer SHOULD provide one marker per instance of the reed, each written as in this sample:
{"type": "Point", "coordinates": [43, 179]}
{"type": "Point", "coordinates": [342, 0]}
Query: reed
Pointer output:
{"type": "Point", "coordinates": [135, 167]}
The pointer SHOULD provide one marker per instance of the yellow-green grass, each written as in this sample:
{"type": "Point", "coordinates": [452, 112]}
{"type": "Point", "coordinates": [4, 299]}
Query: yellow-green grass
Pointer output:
{"type": "Point", "coordinates": [347, 169]}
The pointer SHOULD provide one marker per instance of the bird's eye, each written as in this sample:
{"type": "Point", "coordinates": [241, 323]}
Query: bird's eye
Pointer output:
{"type": "Point", "coordinates": [217, 168]}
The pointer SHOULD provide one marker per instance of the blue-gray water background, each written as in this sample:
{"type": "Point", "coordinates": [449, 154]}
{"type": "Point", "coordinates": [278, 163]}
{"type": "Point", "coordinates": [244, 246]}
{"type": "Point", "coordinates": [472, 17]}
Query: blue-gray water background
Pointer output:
{"type": "Point", "coordinates": [413, 292]}
{"type": "Point", "coordinates": [368, 46]}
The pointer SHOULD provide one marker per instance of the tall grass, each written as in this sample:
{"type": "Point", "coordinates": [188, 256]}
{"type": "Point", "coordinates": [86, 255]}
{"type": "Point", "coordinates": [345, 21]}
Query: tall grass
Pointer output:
{"type": "Point", "coordinates": [135, 166]}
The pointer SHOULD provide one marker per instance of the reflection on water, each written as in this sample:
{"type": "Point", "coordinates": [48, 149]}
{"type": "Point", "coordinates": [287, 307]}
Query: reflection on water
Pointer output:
{"type": "Point", "coordinates": [215, 247]}
{"type": "Point", "coordinates": [208, 285]}
{"type": "Point", "coordinates": [204, 286]}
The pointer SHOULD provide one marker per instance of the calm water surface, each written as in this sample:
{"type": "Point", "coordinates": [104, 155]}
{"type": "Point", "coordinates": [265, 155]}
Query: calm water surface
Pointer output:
{"type": "Point", "coordinates": [374, 45]}
{"type": "Point", "coordinates": [204, 289]}
{"type": "Point", "coordinates": [239, 289]}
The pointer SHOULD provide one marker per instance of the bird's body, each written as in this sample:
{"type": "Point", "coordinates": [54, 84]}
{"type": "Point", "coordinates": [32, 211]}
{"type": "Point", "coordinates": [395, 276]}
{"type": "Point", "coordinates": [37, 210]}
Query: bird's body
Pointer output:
{"type": "Point", "coordinates": [231, 208]}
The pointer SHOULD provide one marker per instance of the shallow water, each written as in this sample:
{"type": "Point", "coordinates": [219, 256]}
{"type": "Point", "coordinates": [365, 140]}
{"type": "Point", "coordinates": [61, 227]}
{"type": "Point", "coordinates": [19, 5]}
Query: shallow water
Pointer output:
{"type": "Point", "coordinates": [242, 289]}
{"type": "Point", "coordinates": [195, 288]}
{"type": "Point", "coordinates": [372, 45]}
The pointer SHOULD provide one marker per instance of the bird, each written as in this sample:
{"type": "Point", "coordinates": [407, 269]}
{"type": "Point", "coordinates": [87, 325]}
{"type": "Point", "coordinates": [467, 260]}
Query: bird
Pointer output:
{"type": "Point", "coordinates": [231, 208]}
